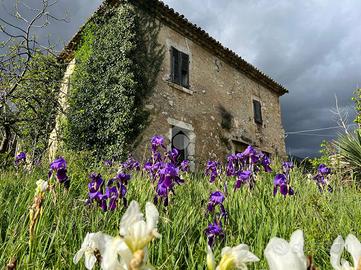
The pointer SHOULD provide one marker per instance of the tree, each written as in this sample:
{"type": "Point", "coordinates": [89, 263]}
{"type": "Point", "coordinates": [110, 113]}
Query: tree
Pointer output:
{"type": "Point", "coordinates": [29, 77]}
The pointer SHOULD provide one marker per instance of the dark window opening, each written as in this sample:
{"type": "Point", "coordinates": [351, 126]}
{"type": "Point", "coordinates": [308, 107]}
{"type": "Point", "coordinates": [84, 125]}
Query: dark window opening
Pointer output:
{"type": "Point", "coordinates": [180, 68]}
{"type": "Point", "coordinates": [257, 109]}
{"type": "Point", "coordinates": [239, 147]}
{"type": "Point", "coordinates": [180, 141]}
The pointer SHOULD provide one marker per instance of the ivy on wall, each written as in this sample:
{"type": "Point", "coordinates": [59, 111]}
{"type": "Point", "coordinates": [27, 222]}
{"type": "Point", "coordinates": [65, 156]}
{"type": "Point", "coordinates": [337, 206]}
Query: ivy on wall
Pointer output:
{"type": "Point", "coordinates": [117, 63]}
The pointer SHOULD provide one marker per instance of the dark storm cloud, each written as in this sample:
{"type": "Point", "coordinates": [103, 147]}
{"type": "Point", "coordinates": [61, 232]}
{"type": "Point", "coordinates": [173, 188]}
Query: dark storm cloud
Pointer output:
{"type": "Point", "coordinates": [311, 47]}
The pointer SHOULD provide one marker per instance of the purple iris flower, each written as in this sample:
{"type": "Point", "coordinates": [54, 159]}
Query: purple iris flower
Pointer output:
{"type": "Point", "coordinates": [21, 157]}
{"type": "Point", "coordinates": [148, 166]}
{"type": "Point", "coordinates": [173, 155]}
{"type": "Point", "coordinates": [157, 157]}
{"type": "Point", "coordinates": [287, 166]}
{"type": "Point", "coordinates": [184, 166]}
{"type": "Point", "coordinates": [242, 178]}
{"type": "Point", "coordinates": [108, 163]}
{"type": "Point", "coordinates": [163, 189]}
{"type": "Point", "coordinates": [107, 196]}
{"type": "Point", "coordinates": [217, 198]}
{"type": "Point", "coordinates": [103, 202]}
{"type": "Point", "coordinates": [321, 178]}
{"type": "Point", "coordinates": [250, 151]}
{"type": "Point", "coordinates": [213, 231]}
{"type": "Point", "coordinates": [231, 165]}
{"type": "Point", "coordinates": [213, 170]}
{"type": "Point", "coordinates": [157, 141]}
{"type": "Point", "coordinates": [123, 178]}
{"type": "Point", "coordinates": [251, 154]}
{"type": "Point", "coordinates": [59, 167]}
{"type": "Point", "coordinates": [164, 170]}
{"type": "Point", "coordinates": [225, 188]}
{"type": "Point", "coordinates": [58, 164]}
{"type": "Point", "coordinates": [131, 164]}
{"type": "Point", "coordinates": [61, 175]}
{"type": "Point", "coordinates": [322, 169]}
{"type": "Point", "coordinates": [245, 166]}
{"type": "Point", "coordinates": [96, 183]}
{"type": "Point", "coordinates": [153, 169]}
{"type": "Point", "coordinates": [280, 181]}
{"type": "Point", "coordinates": [266, 162]}
{"type": "Point", "coordinates": [95, 187]}
{"type": "Point", "coordinates": [168, 178]}
{"type": "Point", "coordinates": [113, 195]}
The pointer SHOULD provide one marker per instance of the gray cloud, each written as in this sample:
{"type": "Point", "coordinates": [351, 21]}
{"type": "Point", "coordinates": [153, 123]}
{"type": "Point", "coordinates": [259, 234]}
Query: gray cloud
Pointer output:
{"type": "Point", "coordinates": [311, 47]}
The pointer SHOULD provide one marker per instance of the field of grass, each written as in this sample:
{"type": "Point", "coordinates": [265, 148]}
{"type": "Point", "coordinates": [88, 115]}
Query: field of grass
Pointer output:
{"type": "Point", "coordinates": [254, 217]}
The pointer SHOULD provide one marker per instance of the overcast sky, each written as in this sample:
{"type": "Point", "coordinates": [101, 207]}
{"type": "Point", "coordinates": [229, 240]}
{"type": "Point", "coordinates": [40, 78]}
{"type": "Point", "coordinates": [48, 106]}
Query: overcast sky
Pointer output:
{"type": "Point", "coordinates": [312, 47]}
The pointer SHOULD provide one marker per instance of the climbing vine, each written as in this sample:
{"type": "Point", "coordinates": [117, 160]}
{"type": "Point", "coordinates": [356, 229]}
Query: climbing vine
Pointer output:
{"type": "Point", "coordinates": [117, 63]}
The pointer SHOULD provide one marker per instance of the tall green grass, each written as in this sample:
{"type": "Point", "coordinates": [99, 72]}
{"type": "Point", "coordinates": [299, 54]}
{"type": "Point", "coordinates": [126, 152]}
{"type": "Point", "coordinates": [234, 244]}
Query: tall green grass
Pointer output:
{"type": "Point", "coordinates": [254, 217]}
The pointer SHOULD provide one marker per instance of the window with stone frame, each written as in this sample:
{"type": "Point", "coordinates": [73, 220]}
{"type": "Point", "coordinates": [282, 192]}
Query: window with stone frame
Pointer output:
{"type": "Point", "coordinates": [179, 67]}
{"type": "Point", "coordinates": [180, 141]}
{"type": "Point", "coordinates": [257, 110]}
{"type": "Point", "coordinates": [239, 147]}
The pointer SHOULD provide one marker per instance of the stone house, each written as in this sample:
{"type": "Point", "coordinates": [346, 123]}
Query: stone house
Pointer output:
{"type": "Point", "coordinates": [208, 101]}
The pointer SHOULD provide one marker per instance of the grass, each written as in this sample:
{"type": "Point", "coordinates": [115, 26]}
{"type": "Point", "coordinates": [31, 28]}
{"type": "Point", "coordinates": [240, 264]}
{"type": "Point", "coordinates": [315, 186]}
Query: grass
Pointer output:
{"type": "Point", "coordinates": [254, 217]}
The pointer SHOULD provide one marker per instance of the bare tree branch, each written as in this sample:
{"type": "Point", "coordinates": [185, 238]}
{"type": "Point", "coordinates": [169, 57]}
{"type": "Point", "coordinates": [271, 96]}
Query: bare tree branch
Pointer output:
{"type": "Point", "coordinates": [19, 47]}
{"type": "Point", "coordinates": [341, 115]}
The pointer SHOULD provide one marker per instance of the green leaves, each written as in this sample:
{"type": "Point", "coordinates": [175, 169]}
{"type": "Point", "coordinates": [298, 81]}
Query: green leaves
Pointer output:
{"type": "Point", "coordinates": [349, 147]}
{"type": "Point", "coordinates": [357, 100]}
{"type": "Point", "coordinates": [35, 104]}
{"type": "Point", "coordinates": [109, 84]}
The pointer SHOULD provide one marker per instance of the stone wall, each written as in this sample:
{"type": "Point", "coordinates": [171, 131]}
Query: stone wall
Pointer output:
{"type": "Point", "coordinates": [54, 139]}
{"type": "Point", "coordinates": [216, 88]}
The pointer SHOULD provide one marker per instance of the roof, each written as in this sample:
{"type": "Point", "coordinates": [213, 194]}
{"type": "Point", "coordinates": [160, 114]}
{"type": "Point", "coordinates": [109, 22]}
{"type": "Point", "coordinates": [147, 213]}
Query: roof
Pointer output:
{"type": "Point", "coordinates": [180, 24]}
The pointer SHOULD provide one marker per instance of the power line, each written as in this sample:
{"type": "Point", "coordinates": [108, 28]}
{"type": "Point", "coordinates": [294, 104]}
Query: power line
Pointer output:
{"type": "Point", "coordinates": [315, 135]}
{"type": "Point", "coordinates": [317, 129]}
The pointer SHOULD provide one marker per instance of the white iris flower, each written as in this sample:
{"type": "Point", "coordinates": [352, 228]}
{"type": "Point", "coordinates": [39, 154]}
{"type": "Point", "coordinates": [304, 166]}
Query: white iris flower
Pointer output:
{"type": "Point", "coordinates": [283, 255]}
{"type": "Point", "coordinates": [127, 251]}
{"type": "Point", "coordinates": [93, 245]}
{"type": "Point", "coordinates": [232, 258]}
{"type": "Point", "coordinates": [353, 246]}
{"type": "Point", "coordinates": [41, 186]}
{"type": "Point", "coordinates": [137, 232]}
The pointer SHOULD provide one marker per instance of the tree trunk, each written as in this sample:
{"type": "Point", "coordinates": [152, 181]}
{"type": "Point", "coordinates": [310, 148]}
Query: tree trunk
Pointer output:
{"type": "Point", "coordinates": [4, 147]}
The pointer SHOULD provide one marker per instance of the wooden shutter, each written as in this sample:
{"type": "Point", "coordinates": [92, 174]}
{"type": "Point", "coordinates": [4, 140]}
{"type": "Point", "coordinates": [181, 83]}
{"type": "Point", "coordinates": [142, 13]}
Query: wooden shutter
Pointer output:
{"type": "Point", "coordinates": [176, 78]}
{"type": "Point", "coordinates": [185, 70]}
{"type": "Point", "coordinates": [257, 111]}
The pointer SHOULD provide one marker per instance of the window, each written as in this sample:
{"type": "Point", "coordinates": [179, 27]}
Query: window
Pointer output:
{"type": "Point", "coordinates": [180, 68]}
{"type": "Point", "coordinates": [239, 147]}
{"type": "Point", "coordinates": [257, 109]}
{"type": "Point", "coordinates": [180, 141]}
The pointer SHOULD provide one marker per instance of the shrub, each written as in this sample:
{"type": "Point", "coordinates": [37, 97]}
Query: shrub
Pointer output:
{"type": "Point", "coordinates": [349, 147]}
